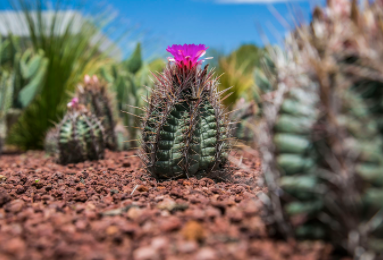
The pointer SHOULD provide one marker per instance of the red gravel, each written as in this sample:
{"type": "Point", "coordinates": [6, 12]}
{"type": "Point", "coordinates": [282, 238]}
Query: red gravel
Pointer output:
{"type": "Point", "coordinates": [111, 209]}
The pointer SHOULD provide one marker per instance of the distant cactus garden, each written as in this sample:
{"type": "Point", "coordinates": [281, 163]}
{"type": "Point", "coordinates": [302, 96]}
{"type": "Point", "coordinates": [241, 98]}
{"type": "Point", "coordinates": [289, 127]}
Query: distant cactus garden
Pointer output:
{"type": "Point", "coordinates": [282, 144]}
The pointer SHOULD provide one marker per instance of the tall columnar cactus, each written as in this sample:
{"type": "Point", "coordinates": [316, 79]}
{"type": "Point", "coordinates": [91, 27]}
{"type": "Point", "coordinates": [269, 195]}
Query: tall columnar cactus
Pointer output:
{"type": "Point", "coordinates": [95, 97]}
{"type": "Point", "coordinates": [80, 136]}
{"type": "Point", "coordinates": [185, 131]}
{"type": "Point", "coordinates": [320, 143]}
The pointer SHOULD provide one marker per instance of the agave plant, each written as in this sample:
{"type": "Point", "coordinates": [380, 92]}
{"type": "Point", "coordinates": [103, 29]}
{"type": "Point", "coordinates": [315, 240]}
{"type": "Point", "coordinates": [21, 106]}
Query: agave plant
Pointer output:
{"type": "Point", "coordinates": [321, 145]}
{"type": "Point", "coordinates": [186, 132]}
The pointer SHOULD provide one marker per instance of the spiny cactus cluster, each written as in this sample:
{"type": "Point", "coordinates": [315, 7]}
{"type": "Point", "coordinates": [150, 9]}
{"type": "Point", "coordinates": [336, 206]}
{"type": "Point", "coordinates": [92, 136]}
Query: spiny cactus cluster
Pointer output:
{"type": "Point", "coordinates": [320, 138]}
{"type": "Point", "coordinates": [185, 131]}
{"type": "Point", "coordinates": [80, 136]}
{"type": "Point", "coordinates": [95, 97]}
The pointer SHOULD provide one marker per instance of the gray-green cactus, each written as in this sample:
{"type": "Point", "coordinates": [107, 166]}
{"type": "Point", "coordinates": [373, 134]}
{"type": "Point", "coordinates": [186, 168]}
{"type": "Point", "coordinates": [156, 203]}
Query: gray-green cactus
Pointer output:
{"type": "Point", "coordinates": [96, 98]}
{"type": "Point", "coordinates": [80, 136]}
{"type": "Point", "coordinates": [185, 130]}
{"type": "Point", "coordinates": [322, 153]}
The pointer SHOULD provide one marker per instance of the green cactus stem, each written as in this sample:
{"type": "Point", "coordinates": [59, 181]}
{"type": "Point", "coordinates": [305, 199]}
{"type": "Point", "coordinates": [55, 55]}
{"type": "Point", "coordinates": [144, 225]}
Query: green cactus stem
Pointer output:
{"type": "Point", "coordinates": [80, 136]}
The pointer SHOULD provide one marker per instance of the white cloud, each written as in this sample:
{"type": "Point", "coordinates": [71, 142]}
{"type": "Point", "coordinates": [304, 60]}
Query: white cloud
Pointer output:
{"type": "Point", "coordinates": [254, 1]}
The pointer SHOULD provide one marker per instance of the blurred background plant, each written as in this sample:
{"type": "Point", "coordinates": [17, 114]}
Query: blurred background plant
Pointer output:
{"type": "Point", "coordinates": [70, 44]}
{"type": "Point", "coordinates": [22, 74]}
{"type": "Point", "coordinates": [320, 135]}
{"type": "Point", "coordinates": [54, 44]}
{"type": "Point", "coordinates": [131, 81]}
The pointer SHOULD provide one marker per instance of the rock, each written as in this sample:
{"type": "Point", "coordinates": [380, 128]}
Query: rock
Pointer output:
{"type": "Point", "coordinates": [160, 243]}
{"type": "Point", "coordinates": [14, 206]}
{"type": "Point", "coordinates": [4, 196]}
{"type": "Point", "coordinates": [171, 224]}
{"type": "Point", "coordinates": [20, 189]}
{"type": "Point", "coordinates": [145, 253]}
{"type": "Point", "coordinates": [206, 254]}
{"type": "Point", "coordinates": [193, 231]}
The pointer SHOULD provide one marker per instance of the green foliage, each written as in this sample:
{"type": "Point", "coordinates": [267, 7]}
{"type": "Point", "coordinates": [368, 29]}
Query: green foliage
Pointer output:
{"type": "Point", "coordinates": [22, 74]}
{"type": "Point", "coordinates": [134, 64]}
{"type": "Point", "coordinates": [131, 87]}
{"type": "Point", "coordinates": [237, 72]}
{"type": "Point", "coordinates": [71, 49]}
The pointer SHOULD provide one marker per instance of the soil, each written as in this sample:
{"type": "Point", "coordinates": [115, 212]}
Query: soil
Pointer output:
{"type": "Point", "coordinates": [111, 209]}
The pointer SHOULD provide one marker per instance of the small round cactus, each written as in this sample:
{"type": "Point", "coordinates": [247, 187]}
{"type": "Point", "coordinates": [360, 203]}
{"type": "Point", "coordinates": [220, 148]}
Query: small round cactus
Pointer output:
{"type": "Point", "coordinates": [80, 136]}
{"type": "Point", "coordinates": [186, 132]}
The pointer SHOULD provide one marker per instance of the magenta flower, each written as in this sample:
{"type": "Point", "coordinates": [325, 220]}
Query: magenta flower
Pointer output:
{"type": "Point", "coordinates": [73, 103]}
{"type": "Point", "coordinates": [187, 55]}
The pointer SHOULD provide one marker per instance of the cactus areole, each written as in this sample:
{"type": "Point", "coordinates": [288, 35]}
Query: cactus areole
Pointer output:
{"type": "Point", "coordinates": [186, 132]}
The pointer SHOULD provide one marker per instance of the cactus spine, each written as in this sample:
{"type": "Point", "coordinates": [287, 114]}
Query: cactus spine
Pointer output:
{"type": "Point", "coordinates": [80, 136]}
{"type": "Point", "coordinates": [185, 131]}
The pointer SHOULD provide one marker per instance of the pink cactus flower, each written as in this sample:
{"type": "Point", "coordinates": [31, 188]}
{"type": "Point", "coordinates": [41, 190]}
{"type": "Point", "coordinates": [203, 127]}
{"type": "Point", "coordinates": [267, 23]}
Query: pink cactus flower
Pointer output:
{"type": "Point", "coordinates": [87, 79]}
{"type": "Point", "coordinates": [73, 102]}
{"type": "Point", "coordinates": [187, 55]}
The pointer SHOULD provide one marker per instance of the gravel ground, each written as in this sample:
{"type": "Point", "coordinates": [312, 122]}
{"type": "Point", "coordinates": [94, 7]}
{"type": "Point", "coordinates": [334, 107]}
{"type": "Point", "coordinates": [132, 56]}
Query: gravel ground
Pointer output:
{"type": "Point", "coordinates": [111, 209]}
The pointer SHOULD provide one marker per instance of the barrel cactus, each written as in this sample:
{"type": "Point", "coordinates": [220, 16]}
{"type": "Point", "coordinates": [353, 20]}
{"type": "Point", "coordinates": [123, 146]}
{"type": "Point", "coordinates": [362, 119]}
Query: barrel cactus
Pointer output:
{"type": "Point", "coordinates": [94, 95]}
{"type": "Point", "coordinates": [322, 148]}
{"type": "Point", "coordinates": [186, 132]}
{"type": "Point", "coordinates": [80, 136]}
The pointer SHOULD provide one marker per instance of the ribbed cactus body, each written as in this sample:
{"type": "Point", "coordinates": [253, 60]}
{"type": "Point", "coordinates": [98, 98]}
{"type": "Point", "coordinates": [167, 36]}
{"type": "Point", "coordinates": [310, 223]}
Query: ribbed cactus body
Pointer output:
{"type": "Point", "coordinates": [96, 98]}
{"type": "Point", "coordinates": [295, 158]}
{"type": "Point", "coordinates": [323, 156]}
{"type": "Point", "coordinates": [80, 138]}
{"type": "Point", "coordinates": [185, 132]}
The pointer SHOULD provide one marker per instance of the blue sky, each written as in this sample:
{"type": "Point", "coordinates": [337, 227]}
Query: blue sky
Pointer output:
{"type": "Point", "coordinates": [220, 24]}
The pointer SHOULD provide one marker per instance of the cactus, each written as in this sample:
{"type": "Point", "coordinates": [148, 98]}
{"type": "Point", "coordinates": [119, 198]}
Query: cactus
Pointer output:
{"type": "Point", "coordinates": [95, 97]}
{"type": "Point", "coordinates": [51, 141]}
{"type": "Point", "coordinates": [130, 81]}
{"type": "Point", "coordinates": [185, 131]}
{"type": "Point", "coordinates": [80, 136]}
{"type": "Point", "coordinates": [245, 115]}
{"type": "Point", "coordinates": [320, 142]}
